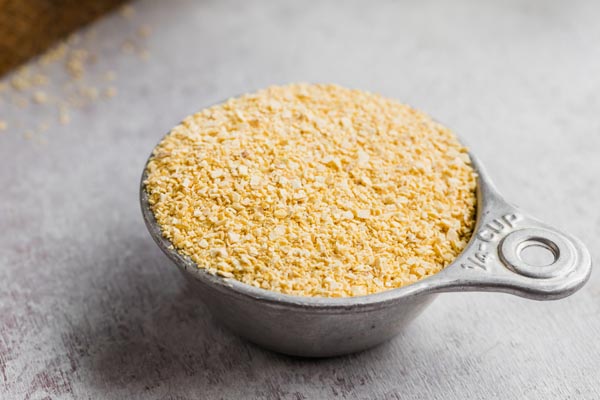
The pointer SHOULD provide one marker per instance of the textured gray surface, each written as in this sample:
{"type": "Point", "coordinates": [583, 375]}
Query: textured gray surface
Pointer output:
{"type": "Point", "coordinates": [90, 308]}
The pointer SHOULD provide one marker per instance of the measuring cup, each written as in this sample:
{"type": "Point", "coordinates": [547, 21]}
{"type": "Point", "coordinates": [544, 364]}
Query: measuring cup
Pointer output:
{"type": "Point", "coordinates": [322, 327]}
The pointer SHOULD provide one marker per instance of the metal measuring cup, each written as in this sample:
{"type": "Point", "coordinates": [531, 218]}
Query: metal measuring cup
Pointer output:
{"type": "Point", "coordinates": [323, 327]}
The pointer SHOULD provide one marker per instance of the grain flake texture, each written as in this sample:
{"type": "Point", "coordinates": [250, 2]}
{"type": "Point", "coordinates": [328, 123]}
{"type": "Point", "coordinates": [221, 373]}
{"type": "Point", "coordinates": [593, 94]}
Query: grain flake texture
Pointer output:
{"type": "Point", "coordinates": [91, 309]}
{"type": "Point", "coordinates": [314, 190]}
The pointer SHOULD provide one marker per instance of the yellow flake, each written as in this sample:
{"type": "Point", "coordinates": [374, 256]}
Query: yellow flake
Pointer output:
{"type": "Point", "coordinates": [63, 115]}
{"type": "Point", "coordinates": [219, 252]}
{"type": "Point", "coordinates": [363, 214]}
{"type": "Point", "coordinates": [127, 11]}
{"type": "Point", "coordinates": [217, 173]}
{"type": "Point", "coordinates": [243, 170]}
{"type": "Point", "coordinates": [277, 232]}
{"type": "Point", "coordinates": [254, 180]}
{"type": "Point", "coordinates": [40, 97]}
{"type": "Point", "coordinates": [280, 213]}
{"type": "Point", "coordinates": [363, 158]}
{"type": "Point", "coordinates": [233, 237]}
{"type": "Point", "coordinates": [110, 91]}
{"type": "Point", "coordinates": [144, 31]}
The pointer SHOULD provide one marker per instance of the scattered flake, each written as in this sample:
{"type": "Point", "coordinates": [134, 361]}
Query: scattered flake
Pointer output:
{"type": "Point", "coordinates": [20, 101]}
{"type": "Point", "coordinates": [21, 80]}
{"type": "Point", "coordinates": [43, 127]}
{"type": "Point", "coordinates": [89, 92]}
{"type": "Point", "coordinates": [127, 11]}
{"type": "Point", "coordinates": [3, 125]}
{"type": "Point", "coordinates": [26, 81]}
{"type": "Point", "coordinates": [63, 115]}
{"type": "Point", "coordinates": [55, 54]}
{"type": "Point", "coordinates": [73, 39]}
{"type": "Point", "coordinates": [321, 198]}
{"type": "Point", "coordinates": [91, 33]}
{"type": "Point", "coordinates": [40, 97]}
{"type": "Point", "coordinates": [110, 91]}
{"type": "Point", "coordinates": [76, 63]}
{"type": "Point", "coordinates": [110, 76]}
{"type": "Point", "coordinates": [127, 47]}
{"type": "Point", "coordinates": [144, 31]}
{"type": "Point", "coordinates": [144, 54]}
{"type": "Point", "coordinates": [39, 80]}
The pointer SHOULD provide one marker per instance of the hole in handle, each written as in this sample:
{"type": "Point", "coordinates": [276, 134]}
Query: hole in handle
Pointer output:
{"type": "Point", "coordinates": [537, 253]}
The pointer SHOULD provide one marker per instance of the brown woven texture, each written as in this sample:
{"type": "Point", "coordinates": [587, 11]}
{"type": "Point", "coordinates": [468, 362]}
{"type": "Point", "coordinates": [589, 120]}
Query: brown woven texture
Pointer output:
{"type": "Point", "coordinates": [28, 27]}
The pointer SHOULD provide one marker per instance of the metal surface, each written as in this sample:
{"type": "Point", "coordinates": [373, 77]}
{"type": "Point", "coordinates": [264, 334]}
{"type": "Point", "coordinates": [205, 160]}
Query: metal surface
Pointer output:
{"type": "Point", "coordinates": [324, 327]}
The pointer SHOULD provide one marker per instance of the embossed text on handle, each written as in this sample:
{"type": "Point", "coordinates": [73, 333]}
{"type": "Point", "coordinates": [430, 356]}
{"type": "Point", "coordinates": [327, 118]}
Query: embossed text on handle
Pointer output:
{"type": "Point", "coordinates": [490, 233]}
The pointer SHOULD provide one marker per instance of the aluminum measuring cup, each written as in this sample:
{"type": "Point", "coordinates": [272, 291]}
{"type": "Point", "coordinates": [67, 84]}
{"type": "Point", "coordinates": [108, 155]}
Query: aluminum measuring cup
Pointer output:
{"type": "Point", "coordinates": [323, 327]}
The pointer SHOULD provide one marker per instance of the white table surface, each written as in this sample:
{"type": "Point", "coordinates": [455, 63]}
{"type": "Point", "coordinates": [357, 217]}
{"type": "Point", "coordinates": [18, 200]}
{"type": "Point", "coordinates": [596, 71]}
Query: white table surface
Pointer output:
{"type": "Point", "coordinates": [90, 307]}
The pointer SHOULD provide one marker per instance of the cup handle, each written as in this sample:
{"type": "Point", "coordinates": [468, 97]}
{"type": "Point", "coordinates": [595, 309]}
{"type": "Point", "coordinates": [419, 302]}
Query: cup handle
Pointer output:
{"type": "Point", "coordinates": [493, 259]}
